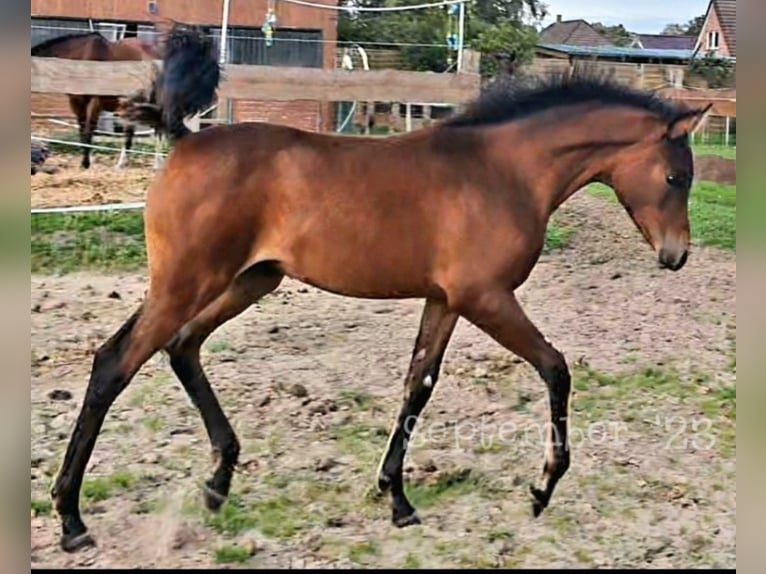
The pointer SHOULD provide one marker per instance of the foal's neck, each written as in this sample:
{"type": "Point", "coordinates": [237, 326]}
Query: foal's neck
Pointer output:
{"type": "Point", "coordinates": [564, 155]}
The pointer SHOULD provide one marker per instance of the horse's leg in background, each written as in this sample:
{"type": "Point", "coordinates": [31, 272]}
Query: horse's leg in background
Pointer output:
{"type": "Point", "coordinates": [184, 353]}
{"type": "Point", "coordinates": [500, 316]}
{"type": "Point", "coordinates": [158, 160]}
{"type": "Point", "coordinates": [91, 122]}
{"type": "Point", "coordinates": [130, 132]}
{"type": "Point", "coordinates": [436, 326]}
{"type": "Point", "coordinates": [79, 106]}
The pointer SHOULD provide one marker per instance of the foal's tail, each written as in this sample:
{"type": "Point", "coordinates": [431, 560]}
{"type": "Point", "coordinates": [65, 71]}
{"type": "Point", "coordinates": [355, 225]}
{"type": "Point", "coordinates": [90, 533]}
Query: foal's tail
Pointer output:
{"type": "Point", "coordinates": [184, 87]}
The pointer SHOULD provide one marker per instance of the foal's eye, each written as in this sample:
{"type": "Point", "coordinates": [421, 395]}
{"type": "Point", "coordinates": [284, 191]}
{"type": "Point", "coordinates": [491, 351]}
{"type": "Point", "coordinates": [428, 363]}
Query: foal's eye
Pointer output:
{"type": "Point", "coordinates": [676, 180]}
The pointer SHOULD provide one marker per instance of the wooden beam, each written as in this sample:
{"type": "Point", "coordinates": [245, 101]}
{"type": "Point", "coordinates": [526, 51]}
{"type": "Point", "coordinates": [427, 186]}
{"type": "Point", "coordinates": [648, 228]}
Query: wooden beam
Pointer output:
{"type": "Point", "coordinates": [240, 82]}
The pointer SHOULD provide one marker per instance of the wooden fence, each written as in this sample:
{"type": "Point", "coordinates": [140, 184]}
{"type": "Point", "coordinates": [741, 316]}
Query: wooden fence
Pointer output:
{"type": "Point", "coordinates": [240, 82]}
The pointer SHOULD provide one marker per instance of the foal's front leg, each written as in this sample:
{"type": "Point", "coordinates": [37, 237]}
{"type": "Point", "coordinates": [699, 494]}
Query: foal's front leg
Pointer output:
{"type": "Point", "coordinates": [500, 316]}
{"type": "Point", "coordinates": [436, 325]}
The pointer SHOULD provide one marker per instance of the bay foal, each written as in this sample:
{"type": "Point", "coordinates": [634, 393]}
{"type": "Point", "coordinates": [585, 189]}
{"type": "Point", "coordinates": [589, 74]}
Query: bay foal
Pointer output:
{"type": "Point", "coordinates": [454, 214]}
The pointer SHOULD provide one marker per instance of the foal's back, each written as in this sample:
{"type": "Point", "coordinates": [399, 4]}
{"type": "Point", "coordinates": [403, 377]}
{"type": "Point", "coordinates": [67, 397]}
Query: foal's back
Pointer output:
{"type": "Point", "coordinates": [390, 209]}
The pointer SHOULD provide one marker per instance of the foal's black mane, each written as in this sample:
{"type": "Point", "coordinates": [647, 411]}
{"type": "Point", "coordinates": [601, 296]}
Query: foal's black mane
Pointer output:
{"type": "Point", "coordinates": [53, 42]}
{"type": "Point", "coordinates": [521, 96]}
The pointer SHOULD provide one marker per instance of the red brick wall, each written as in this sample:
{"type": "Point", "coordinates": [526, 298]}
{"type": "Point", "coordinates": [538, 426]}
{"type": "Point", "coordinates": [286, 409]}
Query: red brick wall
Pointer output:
{"type": "Point", "coordinates": [306, 115]}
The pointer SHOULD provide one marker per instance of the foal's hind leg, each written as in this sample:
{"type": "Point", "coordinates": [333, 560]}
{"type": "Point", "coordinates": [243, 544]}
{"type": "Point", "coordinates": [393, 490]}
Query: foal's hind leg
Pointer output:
{"type": "Point", "coordinates": [436, 326]}
{"type": "Point", "coordinates": [114, 365]}
{"type": "Point", "coordinates": [184, 353]}
{"type": "Point", "coordinates": [499, 315]}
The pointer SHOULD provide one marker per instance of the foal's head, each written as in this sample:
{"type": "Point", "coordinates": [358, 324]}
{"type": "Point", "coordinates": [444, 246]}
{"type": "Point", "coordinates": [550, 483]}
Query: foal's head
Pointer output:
{"type": "Point", "coordinates": [640, 142]}
{"type": "Point", "coordinates": [652, 179]}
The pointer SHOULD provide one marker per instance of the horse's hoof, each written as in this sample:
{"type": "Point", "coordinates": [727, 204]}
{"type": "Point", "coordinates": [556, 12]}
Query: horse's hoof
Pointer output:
{"type": "Point", "coordinates": [213, 500]}
{"type": "Point", "coordinates": [539, 501]}
{"type": "Point", "coordinates": [75, 542]}
{"type": "Point", "coordinates": [404, 521]}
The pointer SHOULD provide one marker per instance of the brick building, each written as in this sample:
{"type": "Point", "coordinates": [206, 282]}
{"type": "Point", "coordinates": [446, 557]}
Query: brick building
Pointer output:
{"type": "Point", "coordinates": [304, 36]}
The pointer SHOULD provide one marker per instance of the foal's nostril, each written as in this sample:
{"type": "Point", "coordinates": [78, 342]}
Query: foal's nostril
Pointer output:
{"type": "Point", "coordinates": [671, 260]}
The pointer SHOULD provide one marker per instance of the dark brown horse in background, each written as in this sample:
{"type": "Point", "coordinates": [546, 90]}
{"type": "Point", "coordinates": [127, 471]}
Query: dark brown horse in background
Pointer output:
{"type": "Point", "coordinates": [454, 214]}
{"type": "Point", "coordinates": [86, 108]}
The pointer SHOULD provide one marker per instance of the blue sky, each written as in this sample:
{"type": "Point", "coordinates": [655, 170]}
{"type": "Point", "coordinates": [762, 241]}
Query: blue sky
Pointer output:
{"type": "Point", "coordinates": [643, 16]}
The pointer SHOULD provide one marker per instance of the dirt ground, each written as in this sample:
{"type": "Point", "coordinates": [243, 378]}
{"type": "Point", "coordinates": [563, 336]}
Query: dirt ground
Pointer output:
{"type": "Point", "coordinates": [312, 382]}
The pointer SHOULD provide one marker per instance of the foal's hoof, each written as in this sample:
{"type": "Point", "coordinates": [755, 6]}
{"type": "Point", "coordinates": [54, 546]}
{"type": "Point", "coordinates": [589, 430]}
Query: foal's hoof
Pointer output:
{"type": "Point", "coordinates": [75, 542]}
{"type": "Point", "coordinates": [213, 500]}
{"type": "Point", "coordinates": [539, 501]}
{"type": "Point", "coordinates": [404, 521]}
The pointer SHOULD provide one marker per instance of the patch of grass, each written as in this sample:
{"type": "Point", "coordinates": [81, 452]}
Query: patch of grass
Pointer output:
{"type": "Point", "coordinates": [598, 397]}
{"type": "Point", "coordinates": [557, 237]}
{"type": "Point", "coordinates": [500, 534]}
{"type": "Point", "coordinates": [219, 346]}
{"type": "Point", "coordinates": [361, 552]}
{"type": "Point", "coordinates": [411, 562]}
{"type": "Point", "coordinates": [102, 488]}
{"type": "Point", "coordinates": [113, 142]}
{"type": "Point", "coordinates": [724, 151]}
{"type": "Point", "coordinates": [596, 394]}
{"type": "Point", "coordinates": [41, 507]}
{"type": "Point", "coordinates": [154, 424]}
{"type": "Point", "coordinates": [361, 441]}
{"type": "Point", "coordinates": [278, 517]}
{"type": "Point", "coordinates": [233, 518]}
{"type": "Point", "coordinates": [231, 554]}
{"type": "Point", "coordinates": [712, 212]}
{"type": "Point", "coordinates": [63, 243]}
{"type": "Point", "coordinates": [356, 398]}
{"type": "Point", "coordinates": [583, 557]}
{"type": "Point", "coordinates": [602, 191]}
{"type": "Point", "coordinates": [713, 215]}
{"type": "Point", "coordinates": [449, 486]}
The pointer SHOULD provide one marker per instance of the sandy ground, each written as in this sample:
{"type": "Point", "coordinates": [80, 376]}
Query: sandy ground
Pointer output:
{"type": "Point", "coordinates": [312, 382]}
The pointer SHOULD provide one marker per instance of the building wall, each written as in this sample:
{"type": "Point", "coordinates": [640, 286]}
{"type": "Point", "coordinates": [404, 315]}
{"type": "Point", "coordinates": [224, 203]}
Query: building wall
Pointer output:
{"type": "Point", "coordinates": [714, 24]}
{"type": "Point", "coordinates": [251, 14]}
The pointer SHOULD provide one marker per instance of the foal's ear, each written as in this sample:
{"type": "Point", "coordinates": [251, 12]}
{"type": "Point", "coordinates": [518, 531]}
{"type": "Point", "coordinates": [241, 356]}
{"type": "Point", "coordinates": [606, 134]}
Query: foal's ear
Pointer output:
{"type": "Point", "coordinates": [686, 122]}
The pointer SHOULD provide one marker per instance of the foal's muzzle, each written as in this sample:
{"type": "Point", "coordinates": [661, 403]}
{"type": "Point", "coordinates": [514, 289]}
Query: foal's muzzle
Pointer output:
{"type": "Point", "coordinates": [673, 259]}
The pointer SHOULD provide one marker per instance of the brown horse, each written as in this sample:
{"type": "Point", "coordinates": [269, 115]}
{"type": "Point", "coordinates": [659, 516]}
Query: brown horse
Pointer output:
{"type": "Point", "coordinates": [94, 46]}
{"type": "Point", "coordinates": [454, 214]}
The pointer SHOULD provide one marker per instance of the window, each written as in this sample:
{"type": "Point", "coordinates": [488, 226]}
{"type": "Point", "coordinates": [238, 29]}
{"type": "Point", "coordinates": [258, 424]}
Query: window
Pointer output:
{"type": "Point", "coordinates": [290, 48]}
{"type": "Point", "coordinates": [712, 40]}
{"type": "Point", "coordinates": [47, 28]}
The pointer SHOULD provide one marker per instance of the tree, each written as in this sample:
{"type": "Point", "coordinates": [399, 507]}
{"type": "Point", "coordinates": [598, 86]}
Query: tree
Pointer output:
{"type": "Point", "coordinates": [692, 28]}
{"type": "Point", "coordinates": [497, 28]}
{"type": "Point", "coordinates": [618, 35]}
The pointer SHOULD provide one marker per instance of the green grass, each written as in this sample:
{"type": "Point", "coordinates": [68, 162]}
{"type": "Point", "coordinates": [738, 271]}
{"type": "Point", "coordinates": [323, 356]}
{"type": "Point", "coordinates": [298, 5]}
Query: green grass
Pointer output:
{"type": "Point", "coordinates": [139, 143]}
{"type": "Point", "coordinates": [352, 397]}
{"type": "Point", "coordinates": [647, 394]}
{"type": "Point", "coordinates": [219, 346]}
{"type": "Point", "coordinates": [361, 553]}
{"type": "Point", "coordinates": [102, 488]}
{"type": "Point", "coordinates": [41, 507]}
{"type": "Point", "coordinates": [727, 152]}
{"type": "Point", "coordinates": [557, 237]}
{"type": "Point", "coordinates": [63, 243]}
{"type": "Point", "coordinates": [277, 517]}
{"type": "Point", "coordinates": [712, 213]}
{"type": "Point", "coordinates": [448, 487]}
{"type": "Point", "coordinates": [231, 554]}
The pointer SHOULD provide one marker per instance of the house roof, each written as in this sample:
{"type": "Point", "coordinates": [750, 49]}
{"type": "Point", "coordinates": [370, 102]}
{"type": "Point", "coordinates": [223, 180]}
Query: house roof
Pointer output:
{"type": "Point", "coordinates": [573, 33]}
{"type": "Point", "coordinates": [727, 16]}
{"type": "Point", "coordinates": [666, 42]}
{"type": "Point", "coordinates": [618, 52]}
